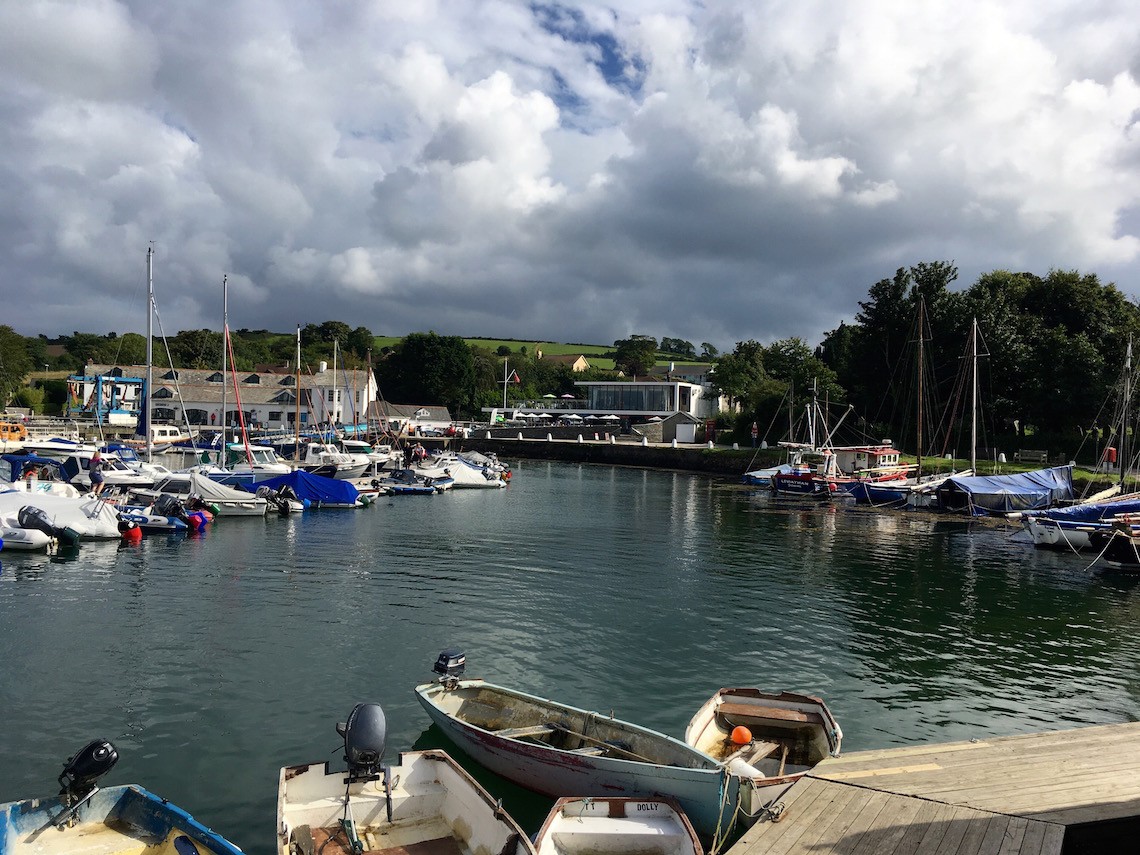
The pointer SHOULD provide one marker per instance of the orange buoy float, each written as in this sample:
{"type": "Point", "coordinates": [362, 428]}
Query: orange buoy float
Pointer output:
{"type": "Point", "coordinates": [741, 735]}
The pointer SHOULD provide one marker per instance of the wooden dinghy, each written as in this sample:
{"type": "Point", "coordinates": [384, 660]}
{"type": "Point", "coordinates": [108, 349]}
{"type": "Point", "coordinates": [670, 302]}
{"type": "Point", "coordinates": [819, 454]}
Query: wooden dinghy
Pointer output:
{"type": "Point", "coordinates": [769, 739]}
{"type": "Point", "coordinates": [560, 750]}
{"type": "Point", "coordinates": [93, 820]}
{"type": "Point", "coordinates": [425, 805]}
{"type": "Point", "coordinates": [617, 826]}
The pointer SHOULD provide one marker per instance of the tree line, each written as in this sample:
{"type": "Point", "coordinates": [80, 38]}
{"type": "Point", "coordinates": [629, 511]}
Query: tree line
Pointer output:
{"type": "Point", "coordinates": [1050, 354]}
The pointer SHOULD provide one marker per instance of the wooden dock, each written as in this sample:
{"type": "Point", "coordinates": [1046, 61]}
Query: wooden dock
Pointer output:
{"type": "Point", "coordinates": [1063, 791]}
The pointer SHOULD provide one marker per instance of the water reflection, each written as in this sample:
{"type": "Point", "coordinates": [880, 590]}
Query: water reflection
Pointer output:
{"type": "Point", "coordinates": [219, 658]}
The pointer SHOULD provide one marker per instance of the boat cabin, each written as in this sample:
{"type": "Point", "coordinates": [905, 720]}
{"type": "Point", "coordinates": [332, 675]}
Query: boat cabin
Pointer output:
{"type": "Point", "coordinates": [12, 432]}
{"type": "Point", "coordinates": [867, 459]}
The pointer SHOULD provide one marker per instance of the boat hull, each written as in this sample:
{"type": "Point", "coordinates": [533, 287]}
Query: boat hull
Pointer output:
{"type": "Point", "coordinates": [557, 772]}
{"type": "Point", "coordinates": [115, 820]}
{"type": "Point", "coordinates": [433, 803]}
{"type": "Point", "coordinates": [788, 734]}
{"type": "Point", "coordinates": [617, 826]}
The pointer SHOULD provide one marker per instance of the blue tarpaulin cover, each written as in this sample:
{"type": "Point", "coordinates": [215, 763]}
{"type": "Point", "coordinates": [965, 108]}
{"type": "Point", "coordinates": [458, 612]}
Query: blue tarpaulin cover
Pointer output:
{"type": "Point", "coordinates": [1094, 511]}
{"type": "Point", "coordinates": [320, 491]}
{"type": "Point", "coordinates": [1026, 491]}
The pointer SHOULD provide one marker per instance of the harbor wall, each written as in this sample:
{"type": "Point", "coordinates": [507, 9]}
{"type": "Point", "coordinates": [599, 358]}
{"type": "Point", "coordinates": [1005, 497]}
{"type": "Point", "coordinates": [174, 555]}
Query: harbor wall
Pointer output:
{"type": "Point", "coordinates": [701, 458]}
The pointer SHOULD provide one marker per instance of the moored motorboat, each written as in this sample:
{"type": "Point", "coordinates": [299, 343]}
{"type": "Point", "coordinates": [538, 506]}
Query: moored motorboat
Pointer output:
{"type": "Point", "coordinates": [617, 826]}
{"type": "Point", "coordinates": [425, 804]}
{"type": "Point", "coordinates": [93, 820]}
{"type": "Point", "coordinates": [771, 739]}
{"type": "Point", "coordinates": [560, 750]}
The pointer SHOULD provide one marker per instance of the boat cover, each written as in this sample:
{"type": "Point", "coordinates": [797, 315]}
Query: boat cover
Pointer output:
{"type": "Point", "coordinates": [316, 488]}
{"type": "Point", "coordinates": [1026, 491]}
{"type": "Point", "coordinates": [1094, 511]}
{"type": "Point", "coordinates": [210, 490]}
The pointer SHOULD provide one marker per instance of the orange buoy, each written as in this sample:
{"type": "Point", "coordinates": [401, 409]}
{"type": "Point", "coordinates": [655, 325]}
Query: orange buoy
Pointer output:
{"type": "Point", "coordinates": [741, 735]}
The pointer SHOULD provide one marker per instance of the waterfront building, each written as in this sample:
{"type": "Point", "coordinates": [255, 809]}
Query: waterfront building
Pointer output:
{"type": "Point", "coordinates": [113, 394]}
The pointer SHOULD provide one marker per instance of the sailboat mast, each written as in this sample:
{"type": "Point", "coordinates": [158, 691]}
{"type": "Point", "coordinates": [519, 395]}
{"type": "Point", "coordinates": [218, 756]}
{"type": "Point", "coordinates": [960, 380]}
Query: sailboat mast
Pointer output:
{"type": "Point", "coordinates": [921, 325]}
{"type": "Point", "coordinates": [332, 415]}
{"type": "Point", "coordinates": [974, 398]}
{"type": "Point", "coordinates": [149, 351]}
{"type": "Point", "coordinates": [1124, 413]}
{"type": "Point", "coordinates": [297, 389]}
{"type": "Point", "coordinates": [225, 365]}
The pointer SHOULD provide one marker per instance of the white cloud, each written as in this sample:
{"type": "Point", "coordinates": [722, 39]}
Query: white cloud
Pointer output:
{"type": "Point", "coordinates": [573, 172]}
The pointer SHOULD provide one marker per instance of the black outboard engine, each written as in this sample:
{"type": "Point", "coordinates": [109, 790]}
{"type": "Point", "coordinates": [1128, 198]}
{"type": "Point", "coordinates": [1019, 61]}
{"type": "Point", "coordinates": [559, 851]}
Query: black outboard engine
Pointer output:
{"type": "Point", "coordinates": [450, 666]}
{"type": "Point", "coordinates": [169, 506]}
{"type": "Point", "coordinates": [364, 734]}
{"type": "Point", "coordinates": [32, 517]}
{"type": "Point", "coordinates": [80, 774]}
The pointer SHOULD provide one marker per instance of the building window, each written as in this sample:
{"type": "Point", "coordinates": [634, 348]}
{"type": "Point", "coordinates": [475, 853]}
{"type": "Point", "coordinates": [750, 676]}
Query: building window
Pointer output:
{"type": "Point", "coordinates": [163, 413]}
{"type": "Point", "coordinates": [196, 417]}
{"type": "Point", "coordinates": [216, 377]}
{"type": "Point", "coordinates": [170, 375]}
{"type": "Point", "coordinates": [252, 379]}
{"type": "Point", "coordinates": [274, 415]}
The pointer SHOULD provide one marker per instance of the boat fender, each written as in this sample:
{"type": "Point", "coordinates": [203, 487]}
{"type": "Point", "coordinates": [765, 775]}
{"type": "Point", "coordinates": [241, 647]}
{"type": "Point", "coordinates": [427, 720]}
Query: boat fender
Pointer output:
{"type": "Point", "coordinates": [375, 484]}
{"type": "Point", "coordinates": [738, 767]}
{"type": "Point", "coordinates": [130, 531]}
{"type": "Point", "coordinates": [197, 520]}
{"type": "Point", "coordinates": [1, 544]}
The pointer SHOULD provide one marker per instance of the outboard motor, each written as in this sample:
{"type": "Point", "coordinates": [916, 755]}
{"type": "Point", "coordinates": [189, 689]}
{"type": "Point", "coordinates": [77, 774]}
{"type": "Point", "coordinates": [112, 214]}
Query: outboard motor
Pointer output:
{"type": "Point", "coordinates": [32, 517]}
{"type": "Point", "coordinates": [450, 666]}
{"type": "Point", "coordinates": [80, 774]}
{"type": "Point", "coordinates": [29, 516]}
{"type": "Point", "coordinates": [364, 734]}
{"type": "Point", "coordinates": [169, 506]}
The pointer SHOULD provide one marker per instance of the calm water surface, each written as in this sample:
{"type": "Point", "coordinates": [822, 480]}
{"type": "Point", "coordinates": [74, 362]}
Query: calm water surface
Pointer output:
{"type": "Point", "coordinates": [213, 661]}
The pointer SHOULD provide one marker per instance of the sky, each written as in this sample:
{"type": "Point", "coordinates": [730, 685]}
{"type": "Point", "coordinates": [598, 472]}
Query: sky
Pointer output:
{"type": "Point", "coordinates": [573, 172]}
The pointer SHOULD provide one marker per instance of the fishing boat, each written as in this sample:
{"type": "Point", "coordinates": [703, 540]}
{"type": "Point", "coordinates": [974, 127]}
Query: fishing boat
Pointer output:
{"type": "Point", "coordinates": [617, 826]}
{"type": "Point", "coordinates": [560, 750]}
{"type": "Point", "coordinates": [97, 820]}
{"type": "Point", "coordinates": [770, 738]}
{"type": "Point", "coordinates": [425, 804]}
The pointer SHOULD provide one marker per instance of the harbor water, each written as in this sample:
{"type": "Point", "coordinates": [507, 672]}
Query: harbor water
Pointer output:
{"type": "Point", "coordinates": [211, 661]}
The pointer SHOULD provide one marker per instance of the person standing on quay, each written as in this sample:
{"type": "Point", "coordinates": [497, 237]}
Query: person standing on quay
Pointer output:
{"type": "Point", "coordinates": [755, 433]}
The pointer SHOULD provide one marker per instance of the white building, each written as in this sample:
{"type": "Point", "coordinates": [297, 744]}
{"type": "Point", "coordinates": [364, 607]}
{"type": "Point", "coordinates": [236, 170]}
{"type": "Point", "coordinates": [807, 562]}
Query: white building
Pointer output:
{"type": "Point", "coordinates": [268, 398]}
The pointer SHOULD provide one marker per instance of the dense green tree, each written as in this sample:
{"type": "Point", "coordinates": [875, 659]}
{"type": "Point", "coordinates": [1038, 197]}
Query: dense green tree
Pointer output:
{"type": "Point", "coordinates": [738, 374]}
{"type": "Point", "coordinates": [15, 363]}
{"type": "Point", "coordinates": [196, 349]}
{"type": "Point", "coordinates": [679, 347]}
{"type": "Point", "coordinates": [426, 368]}
{"type": "Point", "coordinates": [86, 347]}
{"type": "Point", "coordinates": [708, 351]}
{"type": "Point", "coordinates": [635, 355]}
{"type": "Point", "coordinates": [359, 342]}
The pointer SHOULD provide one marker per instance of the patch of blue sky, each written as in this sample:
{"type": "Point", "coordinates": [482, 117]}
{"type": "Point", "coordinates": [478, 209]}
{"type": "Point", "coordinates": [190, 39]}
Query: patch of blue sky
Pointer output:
{"type": "Point", "coordinates": [622, 72]}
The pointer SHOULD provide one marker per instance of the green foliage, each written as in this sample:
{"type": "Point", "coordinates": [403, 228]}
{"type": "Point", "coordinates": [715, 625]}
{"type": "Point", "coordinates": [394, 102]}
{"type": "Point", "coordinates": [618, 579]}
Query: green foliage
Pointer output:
{"type": "Point", "coordinates": [14, 362]}
{"type": "Point", "coordinates": [426, 368]}
{"type": "Point", "coordinates": [31, 397]}
{"type": "Point", "coordinates": [678, 347]}
{"type": "Point", "coordinates": [635, 355]}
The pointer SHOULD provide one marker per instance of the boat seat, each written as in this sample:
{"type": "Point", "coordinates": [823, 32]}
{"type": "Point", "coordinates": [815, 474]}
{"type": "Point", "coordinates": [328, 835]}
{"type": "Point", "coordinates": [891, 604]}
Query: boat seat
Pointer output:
{"type": "Point", "coordinates": [589, 751]}
{"type": "Point", "coordinates": [523, 732]}
{"type": "Point", "coordinates": [760, 751]}
{"type": "Point", "coordinates": [303, 840]}
{"type": "Point", "coordinates": [777, 713]}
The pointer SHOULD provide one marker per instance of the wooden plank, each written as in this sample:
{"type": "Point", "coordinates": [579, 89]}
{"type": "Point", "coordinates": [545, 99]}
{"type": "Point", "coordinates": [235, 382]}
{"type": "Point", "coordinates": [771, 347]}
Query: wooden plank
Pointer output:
{"type": "Point", "coordinates": [864, 819]}
{"type": "Point", "coordinates": [796, 800]}
{"type": "Point", "coordinates": [523, 732]}
{"type": "Point", "coordinates": [845, 805]}
{"type": "Point", "coordinates": [889, 828]}
{"type": "Point", "coordinates": [730, 708]}
{"type": "Point", "coordinates": [1014, 835]}
{"type": "Point", "coordinates": [928, 811]}
{"type": "Point", "coordinates": [938, 828]}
